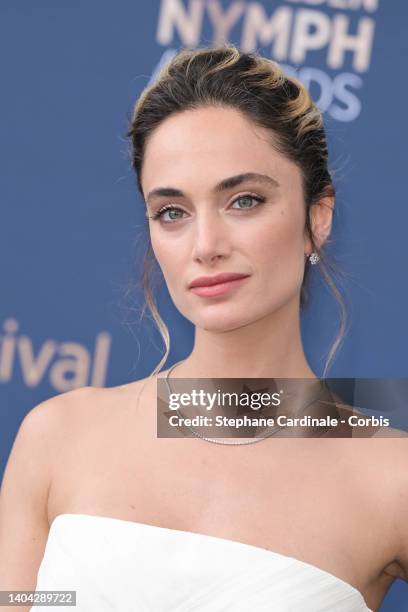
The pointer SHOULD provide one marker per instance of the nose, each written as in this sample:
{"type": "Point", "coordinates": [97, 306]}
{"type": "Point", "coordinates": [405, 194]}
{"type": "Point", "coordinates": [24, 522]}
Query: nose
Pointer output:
{"type": "Point", "coordinates": [211, 237]}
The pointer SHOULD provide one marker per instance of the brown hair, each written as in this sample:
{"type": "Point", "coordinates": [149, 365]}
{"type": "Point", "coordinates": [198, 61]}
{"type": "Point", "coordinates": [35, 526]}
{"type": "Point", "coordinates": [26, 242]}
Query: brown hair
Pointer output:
{"type": "Point", "coordinates": [258, 87]}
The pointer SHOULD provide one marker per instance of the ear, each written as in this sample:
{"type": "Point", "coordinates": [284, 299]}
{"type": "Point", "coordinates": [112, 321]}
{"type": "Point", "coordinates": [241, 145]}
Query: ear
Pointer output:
{"type": "Point", "coordinates": [321, 218]}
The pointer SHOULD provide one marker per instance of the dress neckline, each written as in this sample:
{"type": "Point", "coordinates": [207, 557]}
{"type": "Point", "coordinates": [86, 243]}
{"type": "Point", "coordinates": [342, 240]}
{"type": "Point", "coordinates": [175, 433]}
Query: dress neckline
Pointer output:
{"type": "Point", "coordinates": [226, 541]}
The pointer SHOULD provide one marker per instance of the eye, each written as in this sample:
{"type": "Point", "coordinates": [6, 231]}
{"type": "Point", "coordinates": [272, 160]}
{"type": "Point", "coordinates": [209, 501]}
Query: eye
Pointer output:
{"type": "Point", "coordinates": [249, 197]}
{"type": "Point", "coordinates": [175, 209]}
{"type": "Point", "coordinates": [160, 213]}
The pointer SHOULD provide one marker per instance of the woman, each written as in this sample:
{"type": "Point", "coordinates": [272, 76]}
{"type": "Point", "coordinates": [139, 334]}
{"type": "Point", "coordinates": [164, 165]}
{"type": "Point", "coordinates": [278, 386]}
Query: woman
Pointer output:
{"type": "Point", "coordinates": [231, 160]}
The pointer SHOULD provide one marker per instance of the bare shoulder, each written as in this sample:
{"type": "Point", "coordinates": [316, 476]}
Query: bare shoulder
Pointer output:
{"type": "Point", "coordinates": [51, 411]}
{"type": "Point", "coordinates": [47, 423]}
{"type": "Point", "coordinates": [397, 449]}
{"type": "Point", "coordinates": [79, 411]}
{"type": "Point", "coordinates": [50, 425]}
{"type": "Point", "coordinates": [67, 413]}
{"type": "Point", "coordinates": [52, 422]}
{"type": "Point", "coordinates": [377, 461]}
{"type": "Point", "coordinates": [46, 417]}
{"type": "Point", "coordinates": [387, 473]}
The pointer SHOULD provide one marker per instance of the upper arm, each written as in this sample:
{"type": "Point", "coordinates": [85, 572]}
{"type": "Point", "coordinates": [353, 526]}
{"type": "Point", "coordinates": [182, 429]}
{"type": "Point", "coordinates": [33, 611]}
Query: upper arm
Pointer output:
{"type": "Point", "coordinates": [24, 492]}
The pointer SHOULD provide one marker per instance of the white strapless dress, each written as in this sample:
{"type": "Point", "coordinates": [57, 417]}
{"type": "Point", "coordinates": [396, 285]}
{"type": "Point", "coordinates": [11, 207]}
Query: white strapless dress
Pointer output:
{"type": "Point", "coordinates": [124, 566]}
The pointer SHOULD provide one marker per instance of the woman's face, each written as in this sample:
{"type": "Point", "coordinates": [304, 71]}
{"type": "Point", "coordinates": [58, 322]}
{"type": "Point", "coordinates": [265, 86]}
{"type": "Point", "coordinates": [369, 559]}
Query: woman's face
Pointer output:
{"type": "Point", "coordinates": [254, 227]}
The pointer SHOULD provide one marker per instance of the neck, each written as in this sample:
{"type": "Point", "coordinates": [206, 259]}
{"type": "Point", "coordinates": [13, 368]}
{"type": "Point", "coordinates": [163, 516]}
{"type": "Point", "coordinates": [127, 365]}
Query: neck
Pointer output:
{"type": "Point", "coordinates": [270, 347]}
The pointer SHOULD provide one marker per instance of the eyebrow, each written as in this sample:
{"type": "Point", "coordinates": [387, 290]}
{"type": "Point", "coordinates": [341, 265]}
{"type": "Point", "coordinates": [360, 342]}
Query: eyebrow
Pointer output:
{"type": "Point", "coordinates": [224, 185]}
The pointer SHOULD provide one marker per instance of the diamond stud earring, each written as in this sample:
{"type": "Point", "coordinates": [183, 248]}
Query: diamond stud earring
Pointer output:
{"type": "Point", "coordinates": [314, 258]}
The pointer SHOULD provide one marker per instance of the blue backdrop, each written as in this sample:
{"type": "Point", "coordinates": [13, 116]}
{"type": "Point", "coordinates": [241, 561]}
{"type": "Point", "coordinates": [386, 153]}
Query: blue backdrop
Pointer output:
{"type": "Point", "coordinates": [72, 221]}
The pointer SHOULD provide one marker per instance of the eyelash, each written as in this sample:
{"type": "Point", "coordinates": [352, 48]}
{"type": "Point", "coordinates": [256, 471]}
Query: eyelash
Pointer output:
{"type": "Point", "coordinates": [166, 207]}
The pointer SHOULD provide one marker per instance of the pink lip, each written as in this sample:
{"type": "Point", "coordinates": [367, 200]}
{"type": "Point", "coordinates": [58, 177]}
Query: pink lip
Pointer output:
{"type": "Point", "coordinates": [223, 277]}
{"type": "Point", "coordinates": [218, 289]}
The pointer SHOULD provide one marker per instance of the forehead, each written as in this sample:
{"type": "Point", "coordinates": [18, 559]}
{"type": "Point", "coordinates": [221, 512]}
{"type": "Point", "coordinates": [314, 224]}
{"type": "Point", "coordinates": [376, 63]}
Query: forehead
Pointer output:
{"type": "Point", "coordinates": [205, 145]}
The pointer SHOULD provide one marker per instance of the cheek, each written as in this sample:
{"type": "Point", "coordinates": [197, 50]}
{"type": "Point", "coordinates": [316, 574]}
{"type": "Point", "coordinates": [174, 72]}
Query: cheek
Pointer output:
{"type": "Point", "coordinates": [277, 257]}
{"type": "Point", "coordinates": [170, 254]}
{"type": "Point", "coordinates": [277, 244]}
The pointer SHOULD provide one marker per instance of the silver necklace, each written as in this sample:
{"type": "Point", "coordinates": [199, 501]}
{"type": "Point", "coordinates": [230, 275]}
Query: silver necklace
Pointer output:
{"type": "Point", "coordinates": [214, 440]}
